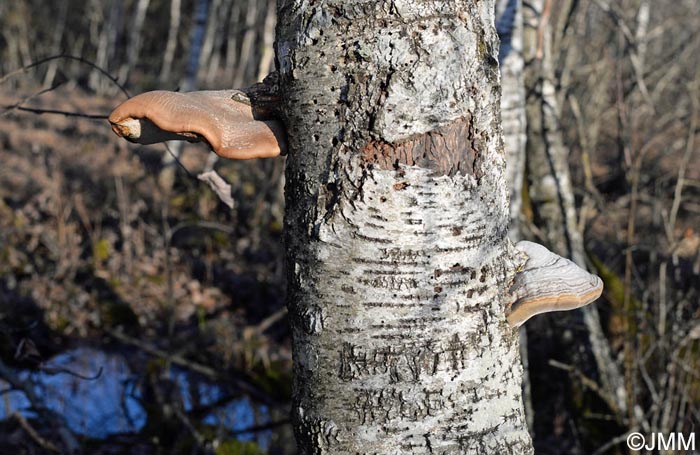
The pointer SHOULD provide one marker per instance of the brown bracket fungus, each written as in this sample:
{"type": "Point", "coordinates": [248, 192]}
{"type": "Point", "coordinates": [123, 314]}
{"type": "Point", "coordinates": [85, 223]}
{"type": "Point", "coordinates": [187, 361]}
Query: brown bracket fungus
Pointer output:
{"type": "Point", "coordinates": [223, 119]}
{"type": "Point", "coordinates": [548, 282]}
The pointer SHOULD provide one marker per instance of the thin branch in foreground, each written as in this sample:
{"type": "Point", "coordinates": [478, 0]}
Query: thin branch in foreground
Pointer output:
{"type": "Point", "coordinates": [179, 163]}
{"type": "Point", "coordinates": [56, 420]}
{"type": "Point", "coordinates": [36, 437]}
{"type": "Point", "coordinates": [76, 58]}
{"type": "Point", "coordinates": [56, 111]}
{"type": "Point", "coordinates": [204, 370]}
{"type": "Point", "coordinates": [19, 103]}
{"type": "Point", "coordinates": [60, 370]}
{"type": "Point", "coordinates": [587, 382]}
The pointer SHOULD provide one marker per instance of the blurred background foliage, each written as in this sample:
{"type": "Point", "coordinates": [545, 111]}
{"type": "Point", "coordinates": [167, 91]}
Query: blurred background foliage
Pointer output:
{"type": "Point", "coordinates": [115, 262]}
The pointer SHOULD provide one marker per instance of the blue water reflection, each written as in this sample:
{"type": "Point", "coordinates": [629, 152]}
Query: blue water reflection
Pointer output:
{"type": "Point", "coordinates": [110, 404]}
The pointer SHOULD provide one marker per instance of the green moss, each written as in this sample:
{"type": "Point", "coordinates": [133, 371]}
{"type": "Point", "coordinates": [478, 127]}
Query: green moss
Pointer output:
{"type": "Point", "coordinates": [60, 324]}
{"type": "Point", "coordinates": [233, 447]}
{"type": "Point", "coordinates": [614, 285]}
{"type": "Point", "coordinates": [179, 201]}
{"type": "Point", "coordinates": [276, 227]}
{"type": "Point", "coordinates": [101, 250]}
{"type": "Point", "coordinates": [221, 239]}
{"type": "Point", "coordinates": [623, 321]}
{"type": "Point", "coordinates": [483, 49]}
{"type": "Point", "coordinates": [202, 318]}
{"type": "Point", "coordinates": [155, 279]}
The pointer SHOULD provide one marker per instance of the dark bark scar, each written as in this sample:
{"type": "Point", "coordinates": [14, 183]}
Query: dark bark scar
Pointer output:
{"type": "Point", "coordinates": [448, 150]}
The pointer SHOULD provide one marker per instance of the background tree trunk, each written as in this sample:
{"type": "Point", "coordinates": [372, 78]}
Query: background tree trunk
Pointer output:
{"type": "Point", "coordinates": [396, 230]}
{"type": "Point", "coordinates": [509, 25]}
{"type": "Point", "coordinates": [106, 40]}
{"type": "Point", "coordinates": [551, 193]}
{"type": "Point", "coordinates": [171, 45]}
{"type": "Point", "coordinates": [135, 37]}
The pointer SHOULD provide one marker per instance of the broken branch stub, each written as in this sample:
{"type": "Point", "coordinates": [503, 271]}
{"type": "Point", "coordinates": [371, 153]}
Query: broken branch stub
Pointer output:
{"type": "Point", "coordinates": [548, 282]}
{"type": "Point", "coordinates": [224, 119]}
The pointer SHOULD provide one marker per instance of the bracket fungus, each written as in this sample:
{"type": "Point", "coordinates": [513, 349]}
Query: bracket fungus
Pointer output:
{"type": "Point", "coordinates": [548, 282]}
{"type": "Point", "coordinates": [236, 128]}
{"type": "Point", "coordinates": [224, 119]}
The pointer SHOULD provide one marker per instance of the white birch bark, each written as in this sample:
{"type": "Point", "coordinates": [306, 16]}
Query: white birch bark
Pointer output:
{"type": "Point", "coordinates": [396, 228]}
{"type": "Point", "coordinates": [267, 57]}
{"type": "Point", "coordinates": [233, 38]}
{"type": "Point", "coordinates": [210, 37]}
{"type": "Point", "coordinates": [509, 25]}
{"type": "Point", "coordinates": [57, 39]}
{"type": "Point", "coordinates": [245, 58]}
{"type": "Point", "coordinates": [551, 191]}
{"type": "Point", "coordinates": [111, 24]}
{"type": "Point", "coordinates": [171, 43]}
{"type": "Point", "coordinates": [135, 32]}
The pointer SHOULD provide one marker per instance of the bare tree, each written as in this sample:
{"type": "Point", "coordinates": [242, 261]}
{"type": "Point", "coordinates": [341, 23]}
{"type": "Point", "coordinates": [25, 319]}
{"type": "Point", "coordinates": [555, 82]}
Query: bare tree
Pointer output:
{"type": "Point", "coordinates": [400, 268]}
{"type": "Point", "coordinates": [135, 37]}
{"type": "Point", "coordinates": [509, 24]}
{"type": "Point", "coordinates": [549, 182]}
{"type": "Point", "coordinates": [171, 43]}
{"type": "Point", "coordinates": [106, 24]}
{"type": "Point", "coordinates": [396, 230]}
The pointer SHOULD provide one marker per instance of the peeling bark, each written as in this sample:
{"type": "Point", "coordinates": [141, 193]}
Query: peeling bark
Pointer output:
{"type": "Point", "coordinates": [448, 150]}
{"type": "Point", "coordinates": [398, 258]}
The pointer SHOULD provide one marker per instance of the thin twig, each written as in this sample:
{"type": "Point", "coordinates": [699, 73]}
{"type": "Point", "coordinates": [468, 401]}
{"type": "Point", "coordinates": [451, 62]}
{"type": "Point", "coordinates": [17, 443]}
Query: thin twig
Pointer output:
{"type": "Point", "coordinates": [633, 48]}
{"type": "Point", "coordinates": [48, 445]}
{"type": "Point", "coordinates": [60, 370]}
{"type": "Point", "coordinates": [690, 147]}
{"type": "Point", "coordinates": [614, 441]}
{"type": "Point", "coordinates": [270, 320]}
{"type": "Point", "coordinates": [186, 422]}
{"type": "Point", "coordinates": [587, 382]}
{"type": "Point", "coordinates": [19, 103]}
{"type": "Point", "coordinates": [35, 110]}
{"type": "Point", "coordinates": [104, 72]}
{"type": "Point", "coordinates": [177, 160]}
{"type": "Point", "coordinates": [71, 444]}
{"type": "Point", "coordinates": [542, 28]}
{"type": "Point", "coordinates": [189, 364]}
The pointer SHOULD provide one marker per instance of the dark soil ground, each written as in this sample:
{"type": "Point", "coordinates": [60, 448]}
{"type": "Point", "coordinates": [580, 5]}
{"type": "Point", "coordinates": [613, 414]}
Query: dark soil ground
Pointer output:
{"type": "Point", "coordinates": [100, 245]}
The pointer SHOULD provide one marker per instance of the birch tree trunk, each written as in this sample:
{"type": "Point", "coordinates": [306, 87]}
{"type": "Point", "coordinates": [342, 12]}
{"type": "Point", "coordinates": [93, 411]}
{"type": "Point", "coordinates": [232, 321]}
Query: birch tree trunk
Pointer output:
{"type": "Point", "coordinates": [213, 29]}
{"type": "Point", "coordinates": [135, 39]}
{"type": "Point", "coordinates": [171, 45]}
{"type": "Point", "coordinates": [110, 17]}
{"type": "Point", "coordinates": [549, 181]}
{"type": "Point", "coordinates": [57, 39]}
{"type": "Point", "coordinates": [509, 25]}
{"type": "Point", "coordinates": [396, 230]}
{"type": "Point", "coordinates": [189, 82]}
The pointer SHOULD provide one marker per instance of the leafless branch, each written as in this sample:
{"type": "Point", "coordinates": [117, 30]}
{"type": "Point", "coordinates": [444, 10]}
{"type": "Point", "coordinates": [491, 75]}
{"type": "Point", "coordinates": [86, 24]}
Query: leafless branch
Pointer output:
{"type": "Point", "coordinates": [39, 111]}
{"type": "Point", "coordinates": [19, 103]}
{"type": "Point", "coordinates": [48, 445]}
{"type": "Point", "coordinates": [76, 58]}
{"type": "Point", "coordinates": [70, 442]}
{"type": "Point", "coordinates": [189, 364]}
{"type": "Point", "coordinates": [587, 382]}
